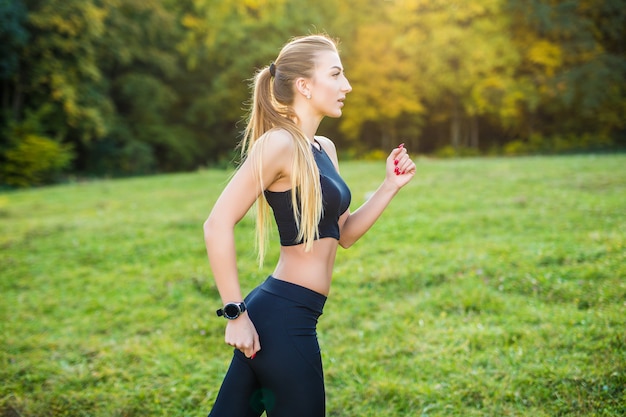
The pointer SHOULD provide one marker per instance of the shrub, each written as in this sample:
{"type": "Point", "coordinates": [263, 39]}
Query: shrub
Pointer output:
{"type": "Point", "coordinates": [33, 160]}
{"type": "Point", "coordinates": [558, 144]}
{"type": "Point", "coordinates": [375, 155]}
{"type": "Point", "coordinates": [449, 151]}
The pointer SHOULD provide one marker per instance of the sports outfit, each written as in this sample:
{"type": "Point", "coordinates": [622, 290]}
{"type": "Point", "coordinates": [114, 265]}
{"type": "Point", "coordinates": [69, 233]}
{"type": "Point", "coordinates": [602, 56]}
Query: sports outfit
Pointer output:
{"type": "Point", "coordinates": [285, 379]}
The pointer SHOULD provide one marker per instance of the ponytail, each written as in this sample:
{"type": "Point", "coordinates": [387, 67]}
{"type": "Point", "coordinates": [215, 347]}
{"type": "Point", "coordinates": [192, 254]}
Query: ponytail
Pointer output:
{"type": "Point", "coordinates": [273, 94]}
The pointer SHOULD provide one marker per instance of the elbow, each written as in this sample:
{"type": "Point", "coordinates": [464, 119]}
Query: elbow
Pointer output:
{"type": "Point", "coordinates": [345, 243]}
{"type": "Point", "coordinates": [207, 227]}
{"type": "Point", "coordinates": [210, 229]}
{"type": "Point", "coordinates": [217, 229]}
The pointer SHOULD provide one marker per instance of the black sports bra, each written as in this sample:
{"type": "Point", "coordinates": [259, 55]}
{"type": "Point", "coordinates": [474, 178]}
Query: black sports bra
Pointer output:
{"type": "Point", "coordinates": [335, 201]}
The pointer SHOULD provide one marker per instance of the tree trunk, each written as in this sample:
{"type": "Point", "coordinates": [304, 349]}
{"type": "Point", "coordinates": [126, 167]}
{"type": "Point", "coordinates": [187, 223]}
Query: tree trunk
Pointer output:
{"type": "Point", "coordinates": [4, 104]}
{"type": "Point", "coordinates": [389, 136]}
{"type": "Point", "coordinates": [455, 124]}
{"type": "Point", "coordinates": [474, 134]}
{"type": "Point", "coordinates": [17, 100]}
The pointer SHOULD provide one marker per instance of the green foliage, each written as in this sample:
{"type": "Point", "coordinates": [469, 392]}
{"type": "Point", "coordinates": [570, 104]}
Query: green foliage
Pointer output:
{"type": "Point", "coordinates": [489, 287]}
{"type": "Point", "coordinates": [13, 35]}
{"type": "Point", "coordinates": [62, 67]}
{"type": "Point", "coordinates": [452, 152]}
{"type": "Point", "coordinates": [33, 160]}
{"type": "Point", "coordinates": [571, 61]}
{"type": "Point", "coordinates": [140, 87]}
{"type": "Point", "coordinates": [558, 144]}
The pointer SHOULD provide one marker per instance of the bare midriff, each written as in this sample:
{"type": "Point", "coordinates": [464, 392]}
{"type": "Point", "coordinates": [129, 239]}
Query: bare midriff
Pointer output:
{"type": "Point", "coordinates": [312, 269]}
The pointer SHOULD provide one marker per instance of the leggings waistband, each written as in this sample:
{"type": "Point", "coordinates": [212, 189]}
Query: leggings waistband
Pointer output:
{"type": "Point", "coordinates": [295, 292]}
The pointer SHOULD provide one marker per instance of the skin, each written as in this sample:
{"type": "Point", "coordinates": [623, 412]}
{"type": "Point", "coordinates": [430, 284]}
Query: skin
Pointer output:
{"type": "Point", "coordinates": [327, 90]}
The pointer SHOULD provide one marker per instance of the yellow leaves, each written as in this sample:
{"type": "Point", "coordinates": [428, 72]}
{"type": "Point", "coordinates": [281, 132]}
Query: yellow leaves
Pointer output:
{"type": "Point", "coordinates": [70, 20]}
{"type": "Point", "coordinates": [257, 4]}
{"type": "Point", "coordinates": [386, 77]}
{"type": "Point", "coordinates": [192, 22]}
{"type": "Point", "coordinates": [33, 159]}
{"type": "Point", "coordinates": [546, 54]}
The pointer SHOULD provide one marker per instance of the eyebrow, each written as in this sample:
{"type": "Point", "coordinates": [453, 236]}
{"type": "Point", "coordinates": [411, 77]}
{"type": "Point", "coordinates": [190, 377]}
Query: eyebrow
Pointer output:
{"type": "Point", "coordinates": [336, 67]}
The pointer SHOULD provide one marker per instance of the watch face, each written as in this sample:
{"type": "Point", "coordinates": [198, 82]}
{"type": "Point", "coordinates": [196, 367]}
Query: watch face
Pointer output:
{"type": "Point", "coordinates": [231, 311]}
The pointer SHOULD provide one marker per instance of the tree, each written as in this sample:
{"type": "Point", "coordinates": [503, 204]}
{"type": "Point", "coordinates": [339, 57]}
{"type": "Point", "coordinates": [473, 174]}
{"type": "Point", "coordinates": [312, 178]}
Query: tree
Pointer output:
{"type": "Point", "coordinates": [225, 43]}
{"type": "Point", "coordinates": [573, 55]}
{"type": "Point", "coordinates": [60, 68]}
{"type": "Point", "coordinates": [49, 88]}
{"type": "Point", "coordinates": [144, 74]}
{"type": "Point", "coordinates": [385, 90]}
{"type": "Point", "coordinates": [462, 60]}
{"type": "Point", "coordinates": [13, 37]}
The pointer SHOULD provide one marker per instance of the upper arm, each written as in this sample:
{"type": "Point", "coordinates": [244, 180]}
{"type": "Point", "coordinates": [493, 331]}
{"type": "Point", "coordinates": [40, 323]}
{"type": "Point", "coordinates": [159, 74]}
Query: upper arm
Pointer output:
{"type": "Point", "coordinates": [273, 153]}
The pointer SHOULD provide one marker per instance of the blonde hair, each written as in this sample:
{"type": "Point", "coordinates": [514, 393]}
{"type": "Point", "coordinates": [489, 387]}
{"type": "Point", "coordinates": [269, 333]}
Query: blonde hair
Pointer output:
{"type": "Point", "coordinates": [272, 108]}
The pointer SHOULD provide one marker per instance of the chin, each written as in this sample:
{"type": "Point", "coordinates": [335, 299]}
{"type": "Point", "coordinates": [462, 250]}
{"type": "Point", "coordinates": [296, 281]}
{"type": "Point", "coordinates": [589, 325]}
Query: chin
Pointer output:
{"type": "Point", "coordinates": [335, 115]}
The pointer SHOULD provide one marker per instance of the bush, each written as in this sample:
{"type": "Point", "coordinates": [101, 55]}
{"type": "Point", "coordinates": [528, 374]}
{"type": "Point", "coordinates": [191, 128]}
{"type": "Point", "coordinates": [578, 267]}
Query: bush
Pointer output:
{"type": "Point", "coordinates": [449, 151]}
{"type": "Point", "coordinates": [34, 160]}
{"type": "Point", "coordinates": [375, 155]}
{"type": "Point", "coordinates": [558, 144]}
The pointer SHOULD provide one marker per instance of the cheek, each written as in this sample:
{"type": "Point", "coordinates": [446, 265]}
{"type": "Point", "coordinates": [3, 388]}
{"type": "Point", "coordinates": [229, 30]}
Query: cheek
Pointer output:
{"type": "Point", "coordinates": [327, 90]}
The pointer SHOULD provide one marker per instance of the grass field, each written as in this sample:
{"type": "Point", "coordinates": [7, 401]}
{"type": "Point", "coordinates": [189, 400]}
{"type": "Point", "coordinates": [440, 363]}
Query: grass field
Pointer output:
{"type": "Point", "coordinates": [490, 287]}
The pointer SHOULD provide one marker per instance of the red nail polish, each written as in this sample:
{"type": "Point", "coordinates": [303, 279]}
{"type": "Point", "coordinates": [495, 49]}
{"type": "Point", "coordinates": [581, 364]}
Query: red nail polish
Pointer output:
{"type": "Point", "coordinates": [401, 145]}
{"type": "Point", "coordinates": [253, 355]}
{"type": "Point", "coordinates": [395, 162]}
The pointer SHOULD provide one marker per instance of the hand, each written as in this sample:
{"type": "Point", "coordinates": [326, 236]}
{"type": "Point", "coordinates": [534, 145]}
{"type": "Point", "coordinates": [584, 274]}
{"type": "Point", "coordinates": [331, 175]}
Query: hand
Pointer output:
{"type": "Point", "coordinates": [241, 334]}
{"type": "Point", "coordinates": [400, 167]}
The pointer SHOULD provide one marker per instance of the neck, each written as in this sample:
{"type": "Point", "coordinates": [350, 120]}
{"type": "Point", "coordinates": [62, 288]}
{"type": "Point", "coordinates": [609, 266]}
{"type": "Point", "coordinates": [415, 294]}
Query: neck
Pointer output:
{"type": "Point", "coordinates": [307, 121]}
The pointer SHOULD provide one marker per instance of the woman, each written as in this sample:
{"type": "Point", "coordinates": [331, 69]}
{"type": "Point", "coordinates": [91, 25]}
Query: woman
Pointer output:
{"type": "Point", "coordinates": [277, 365]}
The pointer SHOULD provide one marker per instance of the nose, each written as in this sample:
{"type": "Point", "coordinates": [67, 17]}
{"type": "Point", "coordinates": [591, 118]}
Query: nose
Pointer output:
{"type": "Point", "coordinates": [346, 86]}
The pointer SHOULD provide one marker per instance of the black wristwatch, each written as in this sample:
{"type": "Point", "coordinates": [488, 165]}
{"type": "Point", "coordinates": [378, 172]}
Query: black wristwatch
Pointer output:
{"type": "Point", "coordinates": [231, 310]}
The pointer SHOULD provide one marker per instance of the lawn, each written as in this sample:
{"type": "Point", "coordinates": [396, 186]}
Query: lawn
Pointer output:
{"type": "Point", "coordinates": [490, 287]}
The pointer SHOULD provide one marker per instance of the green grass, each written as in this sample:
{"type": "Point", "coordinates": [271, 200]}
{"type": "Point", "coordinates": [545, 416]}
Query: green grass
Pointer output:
{"type": "Point", "coordinates": [490, 287]}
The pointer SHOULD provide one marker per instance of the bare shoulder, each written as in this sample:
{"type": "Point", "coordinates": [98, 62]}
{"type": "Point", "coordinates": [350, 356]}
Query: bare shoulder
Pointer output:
{"type": "Point", "coordinates": [274, 152]}
{"type": "Point", "coordinates": [275, 147]}
{"type": "Point", "coordinates": [326, 143]}
{"type": "Point", "coordinates": [275, 142]}
{"type": "Point", "coordinates": [329, 147]}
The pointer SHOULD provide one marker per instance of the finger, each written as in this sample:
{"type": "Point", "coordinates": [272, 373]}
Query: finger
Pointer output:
{"type": "Point", "coordinates": [402, 163]}
{"type": "Point", "coordinates": [257, 343]}
{"type": "Point", "coordinates": [397, 151]}
{"type": "Point", "coordinates": [396, 157]}
{"type": "Point", "coordinates": [250, 349]}
{"type": "Point", "coordinates": [406, 167]}
{"type": "Point", "coordinates": [405, 163]}
{"type": "Point", "coordinates": [256, 348]}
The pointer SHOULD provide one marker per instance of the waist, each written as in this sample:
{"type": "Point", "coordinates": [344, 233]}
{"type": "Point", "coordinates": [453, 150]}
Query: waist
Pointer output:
{"type": "Point", "coordinates": [312, 269]}
{"type": "Point", "coordinates": [294, 292]}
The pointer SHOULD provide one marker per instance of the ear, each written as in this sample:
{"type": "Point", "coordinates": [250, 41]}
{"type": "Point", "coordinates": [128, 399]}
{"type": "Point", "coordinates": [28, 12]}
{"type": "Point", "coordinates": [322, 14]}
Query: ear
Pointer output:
{"type": "Point", "coordinates": [302, 86]}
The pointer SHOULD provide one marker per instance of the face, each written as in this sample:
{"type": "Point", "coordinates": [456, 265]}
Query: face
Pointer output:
{"type": "Point", "coordinates": [329, 85]}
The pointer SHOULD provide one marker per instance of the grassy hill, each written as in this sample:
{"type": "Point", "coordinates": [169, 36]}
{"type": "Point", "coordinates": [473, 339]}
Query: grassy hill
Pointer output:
{"type": "Point", "coordinates": [490, 287]}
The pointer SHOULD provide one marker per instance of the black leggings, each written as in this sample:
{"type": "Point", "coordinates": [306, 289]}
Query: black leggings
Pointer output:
{"type": "Point", "coordinates": [285, 379]}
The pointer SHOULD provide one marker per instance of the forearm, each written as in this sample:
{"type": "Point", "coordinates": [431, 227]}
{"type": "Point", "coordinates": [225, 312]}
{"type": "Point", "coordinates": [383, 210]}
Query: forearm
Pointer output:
{"type": "Point", "coordinates": [220, 245]}
{"type": "Point", "coordinates": [365, 216]}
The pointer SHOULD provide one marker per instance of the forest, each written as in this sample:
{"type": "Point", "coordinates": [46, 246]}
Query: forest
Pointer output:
{"type": "Point", "coordinates": [107, 88]}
